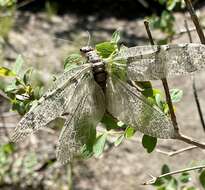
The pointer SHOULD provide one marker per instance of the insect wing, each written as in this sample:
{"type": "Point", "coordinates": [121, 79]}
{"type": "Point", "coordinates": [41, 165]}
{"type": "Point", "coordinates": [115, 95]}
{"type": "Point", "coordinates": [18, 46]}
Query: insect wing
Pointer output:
{"type": "Point", "coordinates": [128, 105]}
{"type": "Point", "coordinates": [84, 113]}
{"type": "Point", "coordinates": [51, 105]}
{"type": "Point", "coordinates": [157, 62]}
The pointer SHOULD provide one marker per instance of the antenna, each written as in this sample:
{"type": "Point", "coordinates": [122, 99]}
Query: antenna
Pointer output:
{"type": "Point", "coordinates": [89, 38]}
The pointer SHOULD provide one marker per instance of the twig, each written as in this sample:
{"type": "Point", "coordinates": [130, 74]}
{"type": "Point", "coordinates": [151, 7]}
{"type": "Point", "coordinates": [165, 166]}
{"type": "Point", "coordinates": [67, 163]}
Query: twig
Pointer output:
{"type": "Point", "coordinates": [195, 20]}
{"type": "Point", "coordinates": [196, 98]}
{"type": "Point", "coordinates": [174, 153]}
{"type": "Point", "coordinates": [23, 3]}
{"type": "Point", "coordinates": [165, 84]}
{"type": "Point", "coordinates": [202, 39]}
{"type": "Point", "coordinates": [177, 134]}
{"type": "Point", "coordinates": [2, 94]}
{"type": "Point", "coordinates": [154, 179]}
{"type": "Point", "coordinates": [188, 31]}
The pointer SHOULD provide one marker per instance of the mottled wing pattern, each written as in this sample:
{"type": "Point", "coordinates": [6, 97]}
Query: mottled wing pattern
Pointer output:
{"type": "Point", "coordinates": [157, 62]}
{"type": "Point", "coordinates": [52, 105]}
{"type": "Point", "coordinates": [84, 113]}
{"type": "Point", "coordinates": [129, 106]}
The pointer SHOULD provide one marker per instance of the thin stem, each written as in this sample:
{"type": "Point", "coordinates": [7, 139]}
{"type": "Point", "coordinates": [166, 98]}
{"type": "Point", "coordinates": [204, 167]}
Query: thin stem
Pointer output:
{"type": "Point", "coordinates": [202, 38]}
{"type": "Point", "coordinates": [191, 141]}
{"type": "Point", "coordinates": [177, 135]}
{"type": "Point", "coordinates": [165, 84]}
{"type": "Point", "coordinates": [153, 180]}
{"type": "Point", "coordinates": [70, 176]}
{"type": "Point", "coordinates": [188, 31]}
{"type": "Point", "coordinates": [195, 20]}
{"type": "Point", "coordinates": [174, 153]}
{"type": "Point", "coordinates": [198, 103]}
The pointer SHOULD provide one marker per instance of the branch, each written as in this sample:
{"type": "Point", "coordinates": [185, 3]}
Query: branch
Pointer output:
{"type": "Point", "coordinates": [177, 134]}
{"type": "Point", "coordinates": [195, 20]}
{"type": "Point", "coordinates": [174, 153]}
{"type": "Point", "coordinates": [165, 85]}
{"type": "Point", "coordinates": [154, 179]}
{"type": "Point", "coordinates": [202, 38]}
{"type": "Point", "coordinates": [196, 98]}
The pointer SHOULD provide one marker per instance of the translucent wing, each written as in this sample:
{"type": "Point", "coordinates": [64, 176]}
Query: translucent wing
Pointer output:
{"type": "Point", "coordinates": [129, 106]}
{"type": "Point", "coordinates": [156, 62]}
{"type": "Point", "coordinates": [52, 104]}
{"type": "Point", "coordinates": [85, 111]}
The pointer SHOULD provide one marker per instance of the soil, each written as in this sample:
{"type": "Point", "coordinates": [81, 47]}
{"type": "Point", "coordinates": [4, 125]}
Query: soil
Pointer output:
{"type": "Point", "coordinates": [44, 43]}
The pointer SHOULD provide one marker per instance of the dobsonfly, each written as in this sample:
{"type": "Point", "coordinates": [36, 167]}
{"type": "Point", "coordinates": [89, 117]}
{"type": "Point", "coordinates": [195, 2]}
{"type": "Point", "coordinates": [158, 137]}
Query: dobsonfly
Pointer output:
{"type": "Point", "coordinates": [84, 93]}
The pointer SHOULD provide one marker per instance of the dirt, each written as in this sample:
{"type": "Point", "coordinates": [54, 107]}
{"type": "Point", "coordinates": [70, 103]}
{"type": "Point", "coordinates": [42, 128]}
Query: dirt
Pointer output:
{"type": "Point", "coordinates": [127, 166]}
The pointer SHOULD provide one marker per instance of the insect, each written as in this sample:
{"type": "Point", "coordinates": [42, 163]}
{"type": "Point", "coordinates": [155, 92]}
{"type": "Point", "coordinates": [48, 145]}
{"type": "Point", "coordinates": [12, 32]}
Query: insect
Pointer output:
{"type": "Point", "coordinates": [84, 93]}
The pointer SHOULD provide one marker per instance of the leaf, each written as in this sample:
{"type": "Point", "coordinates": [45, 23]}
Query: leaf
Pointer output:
{"type": "Point", "coordinates": [99, 144]}
{"type": "Point", "coordinates": [191, 188]}
{"type": "Point", "coordinates": [171, 4]}
{"type": "Point", "coordinates": [7, 148]}
{"type": "Point", "coordinates": [27, 76]}
{"type": "Point", "coordinates": [86, 151]}
{"type": "Point", "coordinates": [5, 72]}
{"type": "Point", "coordinates": [165, 169]}
{"type": "Point", "coordinates": [109, 122]}
{"type": "Point", "coordinates": [18, 64]}
{"type": "Point", "coordinates": [116, 37]}
{"type": "Point", "coordinates": [129, 132]}
{"type": "Point", "coordinates": [172, 185]}
{"type": "Point", "coordinates": [144, 84]}
{"type": "Point", "coordinates": [149, 143]}
{"type": "Point", "coordinates": [11, 87]}
{"type": "Point", "coordinates": [105, 49]}
{"type": "Point", "coordinates": [159, 101]}
{"type": "Point", "coordinates": [176, 95]}
{"type": "Point", "coordinates": [202, 178]}
{"type": "Point", "coordinates": [185, 177]}
{"type": "Point", "coordinates": [119, 140]}
{"type": "Point", "coordinates": [72, 61]}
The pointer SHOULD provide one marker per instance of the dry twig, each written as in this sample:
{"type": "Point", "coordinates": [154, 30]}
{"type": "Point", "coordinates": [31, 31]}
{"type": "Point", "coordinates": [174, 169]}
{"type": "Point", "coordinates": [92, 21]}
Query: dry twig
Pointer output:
{"type": "Point", "coordinates": [154, 179]}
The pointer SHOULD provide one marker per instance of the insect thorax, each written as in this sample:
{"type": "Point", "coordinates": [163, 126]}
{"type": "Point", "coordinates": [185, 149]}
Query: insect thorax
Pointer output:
{"type": "Point", "coordinates": [98, 65]}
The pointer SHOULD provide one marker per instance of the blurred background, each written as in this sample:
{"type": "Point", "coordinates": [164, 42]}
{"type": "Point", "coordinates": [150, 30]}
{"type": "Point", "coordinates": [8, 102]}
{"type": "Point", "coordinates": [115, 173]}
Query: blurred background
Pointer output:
{"type": "Point", "coordinates": [44, 33]}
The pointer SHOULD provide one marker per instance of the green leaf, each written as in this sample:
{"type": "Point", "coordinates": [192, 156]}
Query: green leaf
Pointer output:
{"type": "Point", "coordinates": [165, 169]}
{"type": "Point", "coordinates": [109, 122]}
{"type": "Point", "coordinates": [99, 144]}
{"type": "Point", "coordinates": [73, 61]}
{"type": "Point", "coordinates": [171, 4]}
{"type": "Point", "coordinates": [11, 87]}
{"type": "Point", "coordinates": [176, 95]}
{"type": "Point", "coordinates": [202, 178]}
{"type": "Point", "coordinates": [149, 143]}
{"type": "Point", "coordinates": [166, 108]}
{"type": "Point", "coordinates": [185, 177]}
{"type": "Point", "coordinates": [159, 101]}
{"type": "Point", "coordinates": [7, 148]}
{"type": "Point", "coordinates": [27, 76]}
{"type": "Point", "coordinates": [105, 49]}
{"type": "Point", "coordinates": [144, 84]}
{"type": "Point", "coordinates": [148, 92]}
{"type": "Point", "coordinates": [129, 132]}
{"type": "Point", "coordinates": [172, 184]}
{"type": "Point", "coordinates": [119, 140]}
{"type": "Point", "coordinates": [5, 72]}
{"type": "Point", "coordinates": [18, 64]}
{"type": "Point", "coordinates": [116, 37]}
{"type": "Point", "coordinates": [86, 151]}
{"type": "Point", "coordinates": [191, 188]}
